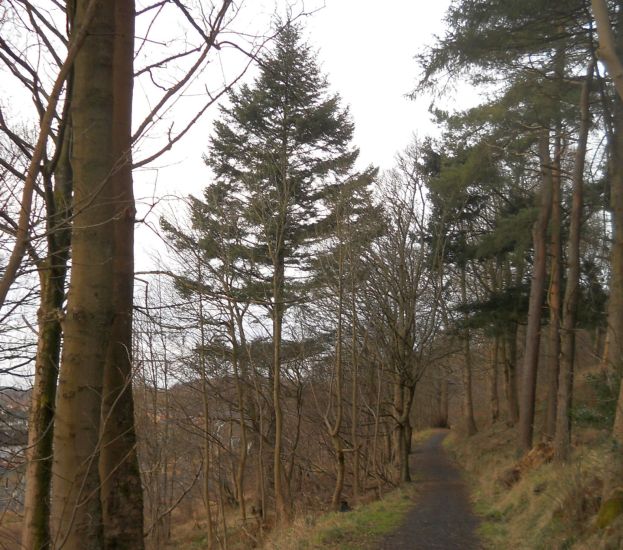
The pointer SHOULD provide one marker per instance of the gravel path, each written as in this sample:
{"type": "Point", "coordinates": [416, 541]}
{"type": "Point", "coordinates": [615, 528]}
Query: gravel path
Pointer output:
{"type": "Point", "coordinates": [442, 518]}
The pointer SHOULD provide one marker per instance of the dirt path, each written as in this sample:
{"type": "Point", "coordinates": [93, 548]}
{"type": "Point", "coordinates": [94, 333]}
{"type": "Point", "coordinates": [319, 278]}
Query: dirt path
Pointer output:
{"type": "Point", "coordinates": [442, 518]}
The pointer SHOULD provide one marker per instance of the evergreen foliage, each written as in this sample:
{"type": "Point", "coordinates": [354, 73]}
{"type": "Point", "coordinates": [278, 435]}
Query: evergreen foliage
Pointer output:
{"type": "Point", "coordinates": [279, 146]}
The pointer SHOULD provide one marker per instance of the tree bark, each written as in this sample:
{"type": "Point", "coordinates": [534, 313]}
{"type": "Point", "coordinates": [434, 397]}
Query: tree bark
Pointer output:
{"type": "Point", "coordinates": [562, 439]}
{"type": "Point", "coordinates": [355, 386]}
{"type": "Point", "coordinates": [615, 301]}
{"type": "Point", "coordinates": [52, 276]}
{"type": "Point", "coordinates": [281, 509]}
{"type": "Point", "coordinates": [509, 347]}
{"type": "Point", "coordinates": [334, 427]}
{"type": "Point", "coordinates": [608, 44]}
{"type": "Point", "coordinates": [493, 389]}
{"type": "Point", "coordinates": [76, 507]}
{"type": "Point", "coordinates": [334, 430]}
{"type": "Point", "coordinates": [403, 401]}
{"type": "Point", "coordinates": [79, 30]}
{"type": "Point", "coordinates": [468, 402]}
{"type": "Point", "coordinates": [554, 296]}
{"type": "Point", "coordinates": [444, 403]}
{"type": "Point", "coordinates": [121, 491]}
{"type": "Point", "coordinates": [207, 470]}
{"type": "Point", "coordinates": [614, 336]}
{"type": "Point", "coordinates": [240, 394]}
{"type": "Point", "coordinates": [533, 329]}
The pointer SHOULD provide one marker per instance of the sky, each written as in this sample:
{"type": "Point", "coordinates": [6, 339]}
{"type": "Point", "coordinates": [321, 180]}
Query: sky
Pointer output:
{"type": "Point", "coordinates": [366, 48]}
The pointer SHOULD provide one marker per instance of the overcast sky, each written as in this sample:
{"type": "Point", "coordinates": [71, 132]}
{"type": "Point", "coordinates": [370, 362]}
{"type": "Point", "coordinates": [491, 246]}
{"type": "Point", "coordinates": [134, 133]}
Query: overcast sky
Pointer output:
{"type": "Point", "coordinates": [367, 48]}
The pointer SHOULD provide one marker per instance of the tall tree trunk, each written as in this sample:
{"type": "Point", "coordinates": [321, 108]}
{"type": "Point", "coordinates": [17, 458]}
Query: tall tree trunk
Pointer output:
{"type": "Point", "coordinates": [444, 404]}
{"type": "Point", "coordinates": [354, 429]}
{"type": "Point", "coordinates": [509, 348]}
{"type": "Point", "coordinates": [562, 440]}
{"type": "Point", "coordinates": [334, 427]}
{"type": "Point", "coordinates": [207, 470]}
{"type": "Point", "coordinates": [494, 400]}
{"type": "Point", "coordinates": [221, 497]}
{"type": "Point", "coordinates": [615, 301]}
{"type": "Point", "coordinates": [207, 465]}
{"type": "Point", "coordinates": [610, 53]}
{"type": "Point", "coordinates": [76, 507]}
{"type": "Point", "coordinates": [242, 459]}
{"type": "Point", "coordinates": [281, 509]}
{"type": "Point", "coordinates": [554, 296]}
{"type": "Point", "coordinates": [239, 375]}
{"type": "Point", "coordinates": [377, 424]}
{"type": "Point", "coordinates": [52, 276]}
{"type": "Point", "coordinates": [403, 401]}
{"type": "Point", "coordinates": [262, 475]}
{"type": "Point", "coordinates": [247, 405]}
{"type": "Point", "coordinates": [533, 329]}
{"type": "Point", "coordinates": [468, 403]}
{"type": "Point", "coordinates": [121, 491]}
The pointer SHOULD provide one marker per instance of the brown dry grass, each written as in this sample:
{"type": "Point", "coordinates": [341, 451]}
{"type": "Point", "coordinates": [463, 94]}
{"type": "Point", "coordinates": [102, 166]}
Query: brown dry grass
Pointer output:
{"type": "Point", "coordinates": [547, 505]}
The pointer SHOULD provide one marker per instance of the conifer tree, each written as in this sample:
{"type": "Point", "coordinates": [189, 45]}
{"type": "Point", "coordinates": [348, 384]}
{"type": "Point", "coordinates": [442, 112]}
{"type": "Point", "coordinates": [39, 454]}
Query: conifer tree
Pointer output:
{"type": "Point", "coordinates": [279, 146]}
{"type": "Point", "coordinates": [537, 45]}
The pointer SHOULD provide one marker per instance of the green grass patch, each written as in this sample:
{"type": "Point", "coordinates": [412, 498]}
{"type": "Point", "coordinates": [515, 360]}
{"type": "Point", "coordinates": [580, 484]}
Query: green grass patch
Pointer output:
{"type": "Point", "coordinates": [354, 530]}
{"type": "Point", "coordinates": [419, 437]}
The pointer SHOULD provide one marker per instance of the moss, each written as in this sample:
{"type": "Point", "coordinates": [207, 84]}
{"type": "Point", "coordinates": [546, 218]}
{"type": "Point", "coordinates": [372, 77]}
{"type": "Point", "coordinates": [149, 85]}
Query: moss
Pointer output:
{"type": "Point", "coordinates": [611, 509]}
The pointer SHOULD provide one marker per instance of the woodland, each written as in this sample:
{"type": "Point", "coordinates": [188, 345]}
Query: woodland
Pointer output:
{"type": "Point", "coordinates": [307, 316]}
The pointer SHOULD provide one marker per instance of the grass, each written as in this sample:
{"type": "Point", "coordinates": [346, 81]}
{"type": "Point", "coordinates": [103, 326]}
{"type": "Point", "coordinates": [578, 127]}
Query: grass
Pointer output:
{"type": "Point", "coordinates": [551, 506]}
{"type": "Point", "coordinates": [354, 530]}
{"type": "Point", "coordinates": [420, 436]}
{"type": "Point", "coordinates": [358, 529]}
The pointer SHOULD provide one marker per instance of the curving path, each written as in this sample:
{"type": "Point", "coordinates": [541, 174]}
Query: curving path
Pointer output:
{"type": "Point", "coordinates": [442, 518]}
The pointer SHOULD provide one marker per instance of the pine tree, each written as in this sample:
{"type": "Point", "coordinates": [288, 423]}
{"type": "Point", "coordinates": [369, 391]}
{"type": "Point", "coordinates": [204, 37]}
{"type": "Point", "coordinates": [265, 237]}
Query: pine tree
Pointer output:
{"type": "Point", "coordinates": [538, 47]}
{"type": "Point", "coordinates": [279, 146]}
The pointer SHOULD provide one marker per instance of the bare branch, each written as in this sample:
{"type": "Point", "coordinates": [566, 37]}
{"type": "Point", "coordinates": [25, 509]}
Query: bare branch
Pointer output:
{"type": "Point", "coordinates": [33, 169]}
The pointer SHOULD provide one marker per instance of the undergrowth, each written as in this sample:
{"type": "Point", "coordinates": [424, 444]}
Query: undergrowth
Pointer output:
{"type": "Point", "coordinates": [547, 506]}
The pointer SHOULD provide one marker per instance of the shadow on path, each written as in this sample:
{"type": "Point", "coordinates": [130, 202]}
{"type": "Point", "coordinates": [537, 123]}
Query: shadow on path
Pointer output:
{"type": "Point", "coordinates": [442, 518]}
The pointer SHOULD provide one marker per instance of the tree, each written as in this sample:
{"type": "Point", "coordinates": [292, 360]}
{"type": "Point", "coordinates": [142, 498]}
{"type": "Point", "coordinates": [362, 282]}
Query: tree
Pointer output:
{"type": "Point", "coordinates": [52, 171]}
{"type": "Point", "coordinates": [546, 46]}
{"type": "Point", "coordinates": [220, 282]}
{"type": "Point", "coordinates": [537, 286]}
{"type": "Point", "coordinates": [278, 146]}
{"type": "Point", "coordinates": [50, 176]}
{"type": "Point", "coordinates": [403, 297]}
{"type": "Point", "coordinates": [121, 491]}
{"type": "Point", "coordinates": [562, 440]}
{"type": "Point", "coordinates": [608, 51]}
{"type": "Point", "coordinates": [356, 222]}
{"type": "Point", "coordinates": [610, 54]}
{"type": "Point", "coordinates": [76, 507]}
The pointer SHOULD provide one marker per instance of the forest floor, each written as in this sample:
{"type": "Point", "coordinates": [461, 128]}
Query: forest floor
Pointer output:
{"type": "Point", "coordinates": [442, 518]}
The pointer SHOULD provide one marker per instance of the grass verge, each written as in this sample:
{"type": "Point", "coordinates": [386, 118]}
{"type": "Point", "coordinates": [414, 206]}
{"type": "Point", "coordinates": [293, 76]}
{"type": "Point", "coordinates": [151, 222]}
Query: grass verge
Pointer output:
{"type": "Point", "coordinates": [358, 529]}
{"type": "Point", "coordinates": [547, 505]}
